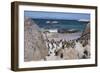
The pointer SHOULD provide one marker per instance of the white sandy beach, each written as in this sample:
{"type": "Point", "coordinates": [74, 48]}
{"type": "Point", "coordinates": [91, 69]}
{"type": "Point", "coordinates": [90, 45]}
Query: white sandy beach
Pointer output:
{"type": "Point", "coordinates": [60, 36]}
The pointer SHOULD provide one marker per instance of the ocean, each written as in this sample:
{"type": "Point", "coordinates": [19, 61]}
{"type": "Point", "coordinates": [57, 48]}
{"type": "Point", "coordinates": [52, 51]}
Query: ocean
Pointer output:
{"type": "Point", "coordinates": [60, 24]}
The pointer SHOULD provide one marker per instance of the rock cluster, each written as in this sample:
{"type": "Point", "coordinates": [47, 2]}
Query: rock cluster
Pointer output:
{"type": "Point", "coordinates": [34, 44]}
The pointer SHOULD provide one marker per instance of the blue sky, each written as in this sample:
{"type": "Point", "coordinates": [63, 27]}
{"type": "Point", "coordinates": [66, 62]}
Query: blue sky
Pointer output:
{"type": "Point", "coordinates": [56, 15]}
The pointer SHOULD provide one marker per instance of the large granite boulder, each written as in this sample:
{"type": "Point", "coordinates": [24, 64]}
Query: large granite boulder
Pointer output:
{"type": "Point", "coordinates": [86, 32]}
{"type": "Point", "coordinates": [34, 45]}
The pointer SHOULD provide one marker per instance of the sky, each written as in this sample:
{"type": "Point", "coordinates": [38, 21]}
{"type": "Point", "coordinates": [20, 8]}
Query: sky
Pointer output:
{"type": "Point", "coordinates": [56, 15]}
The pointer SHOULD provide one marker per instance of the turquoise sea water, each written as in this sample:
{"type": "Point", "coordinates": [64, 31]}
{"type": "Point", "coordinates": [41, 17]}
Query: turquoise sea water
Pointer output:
{"type": "Point", "coordinates": [60, 24]}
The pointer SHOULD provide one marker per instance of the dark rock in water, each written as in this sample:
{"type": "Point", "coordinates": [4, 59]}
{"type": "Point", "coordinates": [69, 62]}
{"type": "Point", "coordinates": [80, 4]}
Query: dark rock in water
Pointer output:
{"type": "Point", "coordinates": [34, 44]}
{"type": "Point", "coordinates": [68, 31]}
